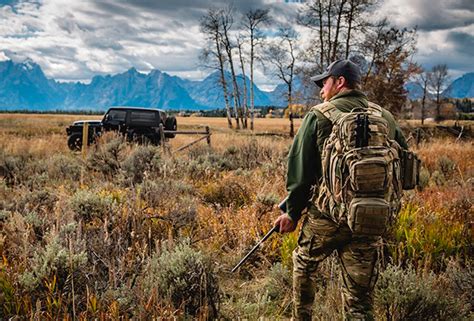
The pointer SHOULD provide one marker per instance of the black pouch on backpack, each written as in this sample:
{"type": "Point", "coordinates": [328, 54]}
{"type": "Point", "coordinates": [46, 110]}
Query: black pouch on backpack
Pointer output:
{"type": "Point", "coordinates": [410, 169]}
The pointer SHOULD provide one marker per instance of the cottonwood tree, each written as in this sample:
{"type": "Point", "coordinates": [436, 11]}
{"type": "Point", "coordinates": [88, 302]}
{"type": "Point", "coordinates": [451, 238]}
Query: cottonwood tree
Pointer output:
{"type": "Point", "coordinates": [333, 23]}
{"type": "Point", "coordinates": [438, 79]}
{"type": "Point", "coordinates": [337, 32]}
{"type": "Point", "coordinates": [253, 21]}
{"type": "Point", "coordinates": [226, 20]}
{"type": "Point", "coordinates": [423, 80]}
{"type": "Point", "coordinates": [281, 56]}
{"type": "Point", "coordinates": [384, 53]}
{"type": "Point", "coordinates": [240, 45]}
{"type": "Point", "coordinates": [388, 53]}
{"type": "Point", "coordinates": [212, 28]}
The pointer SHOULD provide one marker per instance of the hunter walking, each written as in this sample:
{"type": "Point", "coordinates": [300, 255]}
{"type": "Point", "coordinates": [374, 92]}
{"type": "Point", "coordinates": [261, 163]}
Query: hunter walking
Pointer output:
{"type": "Point", "coordinates": [345, 173]}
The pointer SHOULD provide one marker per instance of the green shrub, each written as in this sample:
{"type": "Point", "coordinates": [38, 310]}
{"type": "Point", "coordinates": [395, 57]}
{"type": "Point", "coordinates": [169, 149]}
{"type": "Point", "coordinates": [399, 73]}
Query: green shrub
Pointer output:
{"type": "Point", "coordinates": [34, 219]}
{"type": "Point", "coordinates": [437, 179]}
{"type": "Point", "coordinates": [185, 277]}
{"type": "Point", "coordinates": [197, 151]}
{"type": "Point", "coordinates": [53, 259]}
{"type": "Point", "coordinates": [106, 158]}
{"type": "Point", "coordinates": [268, 200]}
{"type": "Point", "coordinates": [183, 214]}
{"type": "Point", "coordinates": [38, 199]}
{"type": "Point", "coordinates": [460, 282]}
{"type": "Point", "coordinates": [423, 237]}
{"type": "Point", "coordinates": [208, 165]}
{"type": "Point", "coordinates": [12, 168]}
{"type": "Point", "coordinates": [61, 167]}
{"type": "Point", "coordinates": [140, 162]}
{"type": "Point", "coordinates": [278, 282]}
{"type": "Point", "coordinates": [446, 165]}
{"type": "Point", "coordinates": [88, 205]}
{"type": "Point", "coordinates": [249, 155]}
{"type": "Point", "coordinates": [424, 178]}
{"type": "Point", "coordinates": [225, 193]}
{"type": "Point", "coordinates": [159, 193]}
{"type": "Point", "coordinates": [404, 294]}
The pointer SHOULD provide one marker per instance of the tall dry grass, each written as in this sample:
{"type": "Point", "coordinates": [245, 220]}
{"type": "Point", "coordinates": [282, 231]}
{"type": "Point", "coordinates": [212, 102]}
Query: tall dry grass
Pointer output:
{"type": "Point", "coordinates": [86, 238]}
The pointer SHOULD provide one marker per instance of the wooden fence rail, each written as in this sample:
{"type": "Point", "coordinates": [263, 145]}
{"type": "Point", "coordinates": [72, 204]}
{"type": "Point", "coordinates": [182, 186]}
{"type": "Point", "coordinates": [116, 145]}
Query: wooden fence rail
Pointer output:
{"type": "Point", "coordinates": [206, 133]}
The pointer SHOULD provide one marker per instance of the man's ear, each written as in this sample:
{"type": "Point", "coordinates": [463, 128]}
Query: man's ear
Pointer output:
{"type": "Point", "coordinates": [342, 82]}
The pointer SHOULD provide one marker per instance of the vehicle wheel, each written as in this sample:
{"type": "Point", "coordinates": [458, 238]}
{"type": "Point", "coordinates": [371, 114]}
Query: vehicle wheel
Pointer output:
{"type": "Point", "coordinates": [74, 142]}
{"type": "Point", "coordinates": [171, 124]}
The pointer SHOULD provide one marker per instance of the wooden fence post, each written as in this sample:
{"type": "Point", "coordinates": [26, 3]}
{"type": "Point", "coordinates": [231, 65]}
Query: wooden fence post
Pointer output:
{"type": "Point", "coordinates": [85, 141]}
{"type": "Point", "coordinates": [162, 138]}
{"type": "Point", "coordinates": [208, 133]}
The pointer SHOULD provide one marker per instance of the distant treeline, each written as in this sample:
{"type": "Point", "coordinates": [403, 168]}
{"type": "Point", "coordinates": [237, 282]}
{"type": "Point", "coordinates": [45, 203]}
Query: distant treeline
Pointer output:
{"type": "Point", "coordinates": [57, 111]}
{"type": "Point", "coordinates": [204, 113]}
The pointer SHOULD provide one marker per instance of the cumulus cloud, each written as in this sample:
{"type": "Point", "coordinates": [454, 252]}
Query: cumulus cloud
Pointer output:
{"type": "Point", "coordinates": [445, 30]}
{"type": "Point", "coordinates": [429, 15]}
{"type": "Point", "coordinates": [75, 40]}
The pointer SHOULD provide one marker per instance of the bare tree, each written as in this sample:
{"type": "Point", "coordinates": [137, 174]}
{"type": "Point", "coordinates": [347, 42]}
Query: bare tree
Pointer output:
{"type": "Point", "coordinates": [334, 22]}
{"type": "Point", "coordinates": [423, 79]}
{"type": "Point", "coordinates": [226, 21]}
{"type": "Point", "coordinates": [253, 20]}
{"type": "Point", "coordinates": [282, 57]}
{"type": "Point", "coordinates": [354, 20]}
{"type": "Point", "coordinates": [339, 7]}
{"type": "Point", "coordinates": [437, 83]}
{"type": "Point", "coordinates": [242, 66]}
{"type": "Point", "coordinates": [211, 27]}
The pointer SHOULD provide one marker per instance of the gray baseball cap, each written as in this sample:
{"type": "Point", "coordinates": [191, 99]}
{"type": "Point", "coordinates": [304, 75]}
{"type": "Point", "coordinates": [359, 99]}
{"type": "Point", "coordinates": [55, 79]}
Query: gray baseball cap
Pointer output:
{"type": "Point", "coordinates": [345, 68]}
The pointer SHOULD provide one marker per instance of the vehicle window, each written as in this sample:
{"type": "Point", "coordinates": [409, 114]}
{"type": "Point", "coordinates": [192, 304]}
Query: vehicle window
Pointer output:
{"type": "Point", "coordinates": [116, 115]}
{"type": "Point", "coordinates": [142, 116]}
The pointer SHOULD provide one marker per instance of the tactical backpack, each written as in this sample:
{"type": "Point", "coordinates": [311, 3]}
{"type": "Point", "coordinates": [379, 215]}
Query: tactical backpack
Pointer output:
{"type": "Point", "coordinates": [362, 170]}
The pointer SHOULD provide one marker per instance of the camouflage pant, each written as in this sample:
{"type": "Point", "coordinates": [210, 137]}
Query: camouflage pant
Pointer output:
{"type": "Point", "coordinates": [318, 238]}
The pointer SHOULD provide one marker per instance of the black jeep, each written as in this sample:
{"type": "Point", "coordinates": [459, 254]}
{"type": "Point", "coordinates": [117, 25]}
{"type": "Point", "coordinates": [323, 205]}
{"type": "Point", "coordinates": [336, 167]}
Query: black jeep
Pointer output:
{"type": "Point", "coordinates": [136, 124]}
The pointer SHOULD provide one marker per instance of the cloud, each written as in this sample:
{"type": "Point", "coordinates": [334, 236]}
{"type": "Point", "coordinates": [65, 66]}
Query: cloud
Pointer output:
{"type": "Point", "coordinates": [463, 42]}
{"type": "Point", "coordinates": [3, 56]}
{"type": "Point", "coordinates": [75, 40]}
{"type": "Point", "coordinates": [429, 15]}
{"type": "Point", "coordinates": [445, 30]}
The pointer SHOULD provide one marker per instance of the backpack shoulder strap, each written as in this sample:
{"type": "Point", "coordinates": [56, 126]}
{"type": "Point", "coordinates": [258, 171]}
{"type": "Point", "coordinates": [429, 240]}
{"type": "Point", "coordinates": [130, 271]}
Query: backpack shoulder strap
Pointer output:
{"type": "Point", "coordinates": [375, 109]}
{"type": "Point", "coordinates": [329, 110]}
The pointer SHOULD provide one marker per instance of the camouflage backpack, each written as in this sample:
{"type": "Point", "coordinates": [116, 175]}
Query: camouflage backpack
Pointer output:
{"type": "Point", "coordinates": [361, 167]}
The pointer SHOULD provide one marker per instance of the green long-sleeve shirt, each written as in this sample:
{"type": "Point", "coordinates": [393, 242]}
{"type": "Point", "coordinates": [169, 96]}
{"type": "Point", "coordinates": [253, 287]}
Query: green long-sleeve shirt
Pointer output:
{"type": "Point", "coordinates": [304, 159]}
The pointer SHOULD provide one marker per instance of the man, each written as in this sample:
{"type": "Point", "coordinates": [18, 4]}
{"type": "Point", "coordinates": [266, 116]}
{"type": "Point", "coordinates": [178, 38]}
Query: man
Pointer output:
{"type": "Point", "coordinates": [320, 234]}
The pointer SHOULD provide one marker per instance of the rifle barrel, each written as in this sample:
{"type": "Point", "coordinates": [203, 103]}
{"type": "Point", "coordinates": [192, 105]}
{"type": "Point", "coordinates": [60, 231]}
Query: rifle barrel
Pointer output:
{"type": "Point", "coordinates": [274, 229]}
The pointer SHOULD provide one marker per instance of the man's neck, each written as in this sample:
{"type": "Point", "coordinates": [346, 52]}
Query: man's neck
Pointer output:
{"type": "Point", "coordinates": [341, 92]}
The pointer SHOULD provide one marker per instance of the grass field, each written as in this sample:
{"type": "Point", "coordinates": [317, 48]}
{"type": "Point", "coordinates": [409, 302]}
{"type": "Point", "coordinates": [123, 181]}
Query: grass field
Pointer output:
{"type": "Point", "coordinates": [133, 232]}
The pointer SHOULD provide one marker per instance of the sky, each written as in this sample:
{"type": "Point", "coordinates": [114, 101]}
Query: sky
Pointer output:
{"type": "Point", "coordinates": [75, 40]}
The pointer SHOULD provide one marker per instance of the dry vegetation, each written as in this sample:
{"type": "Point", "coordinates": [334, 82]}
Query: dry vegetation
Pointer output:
{"type": "Point", "coordinates": [133, 232]}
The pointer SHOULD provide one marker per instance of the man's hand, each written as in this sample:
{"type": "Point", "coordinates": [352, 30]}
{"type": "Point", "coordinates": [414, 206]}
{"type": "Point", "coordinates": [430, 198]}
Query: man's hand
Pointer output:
{"type": "Point", "coordinates": [285, 223]}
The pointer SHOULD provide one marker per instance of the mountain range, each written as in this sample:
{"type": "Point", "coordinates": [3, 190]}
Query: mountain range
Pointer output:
{"type": "Point", "coordinates": [23, 85]}
{"type": "Point", "coordinates": [462, 87]}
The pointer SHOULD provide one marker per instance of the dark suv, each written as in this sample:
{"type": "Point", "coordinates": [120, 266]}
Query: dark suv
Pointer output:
{"type": "Point", "coordinates": [136, 124]}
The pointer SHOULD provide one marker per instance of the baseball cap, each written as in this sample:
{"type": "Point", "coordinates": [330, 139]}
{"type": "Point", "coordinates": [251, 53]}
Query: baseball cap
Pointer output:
{"type": "Point", "coordinates": [345, 68]}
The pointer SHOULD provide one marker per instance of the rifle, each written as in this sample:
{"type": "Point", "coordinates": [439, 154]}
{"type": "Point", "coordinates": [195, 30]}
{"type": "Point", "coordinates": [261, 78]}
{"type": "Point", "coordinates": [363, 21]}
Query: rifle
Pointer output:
{"type": "Point", "coordinates": [282, 206]}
